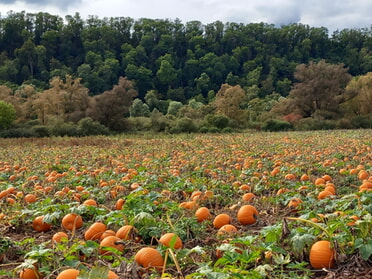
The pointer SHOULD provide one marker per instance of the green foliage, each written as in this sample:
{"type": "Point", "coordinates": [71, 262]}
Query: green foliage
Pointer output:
{"type": "Point", "coordinates": [88, 127]}
{"type": "Point", "coordinates": [183, 125]}
{"type": "Point", "coordinates": [306, 124]}
{"type": "Point", "coordinates": [7, 114]}
{"type": "Point", "coordinates": [174, 107]}
{"type": "Point", "coordinates": [362, 121]}
{"type": "Point", "coordinates": [274, 125]}
{"type": "Point", "coordinates": [192, 62]}
{"type": "Point", "coordinates": [58, 127]}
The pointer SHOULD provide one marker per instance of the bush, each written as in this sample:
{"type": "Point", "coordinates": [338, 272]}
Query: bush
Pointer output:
{"type": "Point", "coordinates": [17, 133]}
{"type": "Point", "coordinates": [220, 121]}
{"type": "Point", "coordinates": [88, 127]}
{"type": "Point", "coordinates": [275, 125]}
{"type": "Point", "coordinates": [308, 124]}
{"type": "Point", "coordinates": [362, 121]}
{"type": "Point", "coordinates": [137, 124]}
{"type": "Point", "coordinates": [40, 131]}
{"type": "Point", "coordinates": [213, 130]}
{"type": "Point", "coordinates": [203, 129]}
{"type": "Point", "coordinates": [227, 130]}
{"type": "Point", "coordinates": [159, 122]}
{"type": "Point", "coordinates": [64, 129]}
{"type": "Point", "coordinates": [344, 123]}
{"type": "Point", "coordinates": [183, 125]}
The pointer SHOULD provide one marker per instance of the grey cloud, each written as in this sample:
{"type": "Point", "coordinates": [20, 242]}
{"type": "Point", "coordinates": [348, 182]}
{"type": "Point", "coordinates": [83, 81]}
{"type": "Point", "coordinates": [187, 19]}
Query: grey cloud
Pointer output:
{"type": "Point", "coordinates": [63, 5]}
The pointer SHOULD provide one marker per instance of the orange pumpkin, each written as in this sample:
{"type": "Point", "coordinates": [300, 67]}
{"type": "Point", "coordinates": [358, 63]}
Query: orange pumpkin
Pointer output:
{"type": "Point", "coordinates": [110, 242]}
{"type": "Point", "coordinates": [72, 221]}
{"type": "Point", "coordinates": [294, 204]}
{"type": "Point", "coordinates": [30, 198]}
{"type": "Point", "coordinates": [112, 275]}
{"type": "Point", "coordinates": [107, 233]}
{"type": "Point", "coordinates": [324, 194]}
{"type": "Point", "coordinates": [227, 229]}
{"type": "Point", "coordinates": [39, 225]}
{"type": "Point", "coordinates": [90, 202]}
{"type": "Point", "coordinates": [59, 237]}
{"type": "Point", "coordinates": [247, 215]}
{"type": "Point", "coordinates": [248, 196]}
{"type": "Point", "coordinates": [304, 177]}
{"type": "Point", "coordinates": [125, 232]}
{"type": "Point", "coordinates": [119, 204]}
{"type": "Point", "coordinates": [282, 191]}
{"type": "Point", "coordinates": [149, 257]}
{"type": "Point", "coordinates": [319, 181]}
{"type": "Point", "coordinates": [322, 255]}
{"type": "Point", "coordinates": [202, 214]}
{"type": "Point", "coordinates": [170, 239]}
{"type": "Point", "coordinates": [70, 273]}
{"type": "Point", "coordinates": [290, 176]}
{"type": "Point", "coordinates": [95, 231]}
{"type": "Point", "coordinates": [330, 189]}
{"type": "Point", "coordinates": [30, 273]}
{"type": "Point", "coordinates": [221, 220]}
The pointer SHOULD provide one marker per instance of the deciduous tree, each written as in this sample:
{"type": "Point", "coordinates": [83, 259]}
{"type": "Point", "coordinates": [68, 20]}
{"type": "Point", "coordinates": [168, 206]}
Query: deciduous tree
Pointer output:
{"type": "Point", "coordinates": [110, 107]}
{"type": "Point", "coordinates": [229, 100]}
{"type": "Point", "coordinates": [360, 91]}
{"type": "Point", "coordinates": [7, 114]}
{"type": "Point", "coordinates": [320, 87]}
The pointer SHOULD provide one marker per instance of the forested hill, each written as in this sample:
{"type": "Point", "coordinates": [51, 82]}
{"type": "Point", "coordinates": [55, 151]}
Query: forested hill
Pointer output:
{"type": "Point", "coordinates": [179, 60]}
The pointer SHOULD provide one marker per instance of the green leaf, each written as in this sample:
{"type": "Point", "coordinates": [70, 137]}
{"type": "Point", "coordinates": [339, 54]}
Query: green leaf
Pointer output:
{"type": "Point", "coordinates": [299, 242]}
{"type": "Point", "coordinates": [94, 273]}
{"type": "Point", "coordinates": [366, 250]}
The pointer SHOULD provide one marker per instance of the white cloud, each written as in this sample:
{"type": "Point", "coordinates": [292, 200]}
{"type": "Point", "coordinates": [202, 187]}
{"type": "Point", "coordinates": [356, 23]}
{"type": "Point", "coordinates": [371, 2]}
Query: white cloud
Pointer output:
{"type": "Point", "coordinates": [331, 14]}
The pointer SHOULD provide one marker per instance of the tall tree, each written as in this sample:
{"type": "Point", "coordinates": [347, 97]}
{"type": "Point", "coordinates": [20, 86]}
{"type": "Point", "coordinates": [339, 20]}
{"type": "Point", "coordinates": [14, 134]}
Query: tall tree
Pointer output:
{"type": "Point", "coordinates": [228, 101]}
{"type": "Point", "coordinates": [111, 107]}
{"type": "Point", "coordinates": [360, 91]}
{"type": "Point", "coordinates": [320, 87]}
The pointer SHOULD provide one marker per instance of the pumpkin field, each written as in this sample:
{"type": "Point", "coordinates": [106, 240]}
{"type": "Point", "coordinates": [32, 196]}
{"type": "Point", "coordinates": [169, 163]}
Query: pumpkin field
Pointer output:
{"type": "Point", "coordinates": [216, 206]}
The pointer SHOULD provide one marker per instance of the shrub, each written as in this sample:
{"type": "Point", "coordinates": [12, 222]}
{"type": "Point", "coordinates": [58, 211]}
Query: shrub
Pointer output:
{"type": "Point", "coordinates": [88, 127]}
{"type": "Point", "coordinates": [275, 125]}
{"type": "Point", "coordinates": [41, 131]}
{"type": "Point", "coordinates": [227, 130]}
{"type": "Point", "coordinates": [362, 121]}
{"type": "Point", "coordinates": [136, 124]}
{"type": "Point", "coordinates": [203, 129]}
{"type": "Point", "coordinates": [17, 133]}
{"type": "Point", "coordinates": [183, 125]}
{"type": "Point", "coordinates": [307, 124]}
{"type": "Point", "coordinates": [159, 122]}
{"type": "Point", "coordinates": [213, 130]}
{"type": "Point", "coordinates": [63, 129]}
{"type": "Point", "coordinates": [220, 121]}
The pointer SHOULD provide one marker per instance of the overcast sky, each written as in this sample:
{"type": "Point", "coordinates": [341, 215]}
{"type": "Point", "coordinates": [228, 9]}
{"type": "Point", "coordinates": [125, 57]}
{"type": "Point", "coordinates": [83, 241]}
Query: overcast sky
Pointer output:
{"type": "Point", "coordinates": [332, 14]}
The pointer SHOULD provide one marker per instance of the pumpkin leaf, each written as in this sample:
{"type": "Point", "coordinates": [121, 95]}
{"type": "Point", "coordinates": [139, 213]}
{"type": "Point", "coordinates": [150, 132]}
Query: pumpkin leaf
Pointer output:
{"type": "Point", "coordinates": [299, 242]}
{"type": "Point", "coordinates": [365, 247]}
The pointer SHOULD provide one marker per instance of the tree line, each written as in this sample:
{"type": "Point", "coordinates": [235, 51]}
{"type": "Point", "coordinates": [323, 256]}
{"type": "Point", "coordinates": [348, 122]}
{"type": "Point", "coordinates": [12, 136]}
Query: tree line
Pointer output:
{"type": "Point", "coordinates": [181, 77]}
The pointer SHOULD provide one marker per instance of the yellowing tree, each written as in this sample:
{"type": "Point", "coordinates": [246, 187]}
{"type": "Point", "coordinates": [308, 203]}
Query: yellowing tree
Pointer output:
{"type": "Point", "coordinates": [360, 90]}
{"type": "Point", "coordinates": [229, 100]}
{"type": "Point", "coordinates": [67, 99]}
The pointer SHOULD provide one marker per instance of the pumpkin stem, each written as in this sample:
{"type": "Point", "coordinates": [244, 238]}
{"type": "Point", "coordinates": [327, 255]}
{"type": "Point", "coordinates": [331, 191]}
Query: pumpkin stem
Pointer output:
{"type": "Point", "coordinates": [311, 223]}
{"type": "Point", "coordinates": [170, 222]}
{"type": "Point", "coordinates": [180, 275]}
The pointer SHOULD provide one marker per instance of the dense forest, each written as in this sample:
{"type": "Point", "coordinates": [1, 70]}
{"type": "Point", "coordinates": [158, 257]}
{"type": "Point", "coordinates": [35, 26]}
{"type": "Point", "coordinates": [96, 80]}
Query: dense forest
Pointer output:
{"type": "Point", "coordinates": [75, 77]}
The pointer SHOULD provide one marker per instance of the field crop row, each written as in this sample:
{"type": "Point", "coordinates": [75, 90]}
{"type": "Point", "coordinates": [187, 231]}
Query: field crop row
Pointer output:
{"type": "Point", "coordinates": [259, 205]}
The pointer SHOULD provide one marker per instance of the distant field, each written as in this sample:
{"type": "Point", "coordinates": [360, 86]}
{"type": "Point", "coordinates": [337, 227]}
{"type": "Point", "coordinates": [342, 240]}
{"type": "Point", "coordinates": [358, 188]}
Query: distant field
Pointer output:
{"type": "Point", "coordinates": [302, 187]}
